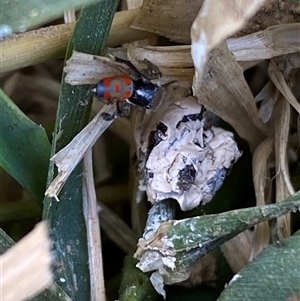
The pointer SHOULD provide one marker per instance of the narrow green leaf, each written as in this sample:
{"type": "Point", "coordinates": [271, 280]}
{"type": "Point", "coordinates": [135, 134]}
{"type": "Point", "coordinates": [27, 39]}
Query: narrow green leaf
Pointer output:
{"type": "Point", "coordinates": [209, 231]}
{"type": "Point", "coordinates": [185, 241]}
{"type": "Point", "coordinates": [5, 242]}
{"type": "Point", "coordinates": [19, 210]}
{"type": "Point", "coordinates": [273, 275]}
{"type": "Point", "coordinates": [24, 148]}
{"type": "Point", "coordinates": [66, 217]}
{"type": "Point", "coordinates": [135, 285]}
{"type": "Point", "coordinates": [19, 16]}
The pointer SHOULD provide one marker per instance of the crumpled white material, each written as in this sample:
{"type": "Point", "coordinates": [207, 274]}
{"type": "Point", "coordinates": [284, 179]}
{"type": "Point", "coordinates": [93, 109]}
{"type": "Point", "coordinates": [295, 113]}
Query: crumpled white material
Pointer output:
{"type": "Point", "coordinates": [185, 158]}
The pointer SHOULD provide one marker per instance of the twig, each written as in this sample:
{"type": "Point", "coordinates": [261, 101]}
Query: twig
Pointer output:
{"type": "Point", "coordinates": [93, 232]}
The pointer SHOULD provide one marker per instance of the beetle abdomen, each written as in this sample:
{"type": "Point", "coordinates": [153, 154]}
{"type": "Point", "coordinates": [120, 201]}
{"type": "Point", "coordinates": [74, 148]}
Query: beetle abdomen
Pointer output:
{"type": "Point", "coordinates": [114, 88]}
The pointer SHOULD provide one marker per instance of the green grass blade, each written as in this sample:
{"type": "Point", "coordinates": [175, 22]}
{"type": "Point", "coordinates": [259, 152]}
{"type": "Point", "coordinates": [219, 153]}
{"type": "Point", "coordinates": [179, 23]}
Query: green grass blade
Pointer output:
{"type": "Point", "coordinates": [19, 16]}
{"type": "Point", "coordinates": [66, 217]}
{"type": "Point", "coordinates": [273, 275]}
{"type": "Point", "coordinates": [185, 241]}
{"type": "Point", "coordinates": [24, 148]}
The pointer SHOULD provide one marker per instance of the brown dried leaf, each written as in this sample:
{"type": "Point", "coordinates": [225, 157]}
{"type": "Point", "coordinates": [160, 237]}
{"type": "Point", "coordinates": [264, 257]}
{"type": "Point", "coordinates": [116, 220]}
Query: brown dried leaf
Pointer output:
{"type": "Point", "coordinates": [224, 91]}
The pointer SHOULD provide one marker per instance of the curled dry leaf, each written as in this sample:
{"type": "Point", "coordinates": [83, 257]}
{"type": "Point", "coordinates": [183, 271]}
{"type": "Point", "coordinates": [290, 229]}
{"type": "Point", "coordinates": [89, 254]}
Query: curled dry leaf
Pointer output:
{"type": "Point", "coordinates": [280, 83]}
{"type": "Point", "coordinates": [216, 21]}
{"type": "Point", "coordinates": [185, 157]}
{"type": "Point", "coordinates": [224, 91]}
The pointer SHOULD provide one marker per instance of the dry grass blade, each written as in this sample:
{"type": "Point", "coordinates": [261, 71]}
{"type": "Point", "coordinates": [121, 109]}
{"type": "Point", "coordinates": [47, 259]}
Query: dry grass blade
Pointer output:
{"type": "Point", "coordinates": [259, 165]}
{"type": "Point", "coordinates": [261, 235]}
{"type": "Point", "coordinates": [34, 47]}
{"type": "Point", "coordinates": [68, 157]}
{"type": "Point", "coordinates": [282, 117]}
{"type": "Point", "coordinates": [275, 40]}
{"type": "Point", "coordinates": [117, 230]}
{"type": "Point", "coordinates": [32, 253]}
{"type": "Point", "coordinates": [139, 207]}
{"type": "Point", "coordinates": [93, 232]}
{"type": "Point", "coordinates": [280, 83]}
{"type": "Point", "coordinates": [163, 56]}
{"type": "Point", "coordinates": [183, 75]}
{"type": "Point", "coordinates": [237, 250]}
{"type": "Point", "coordinates": [38, 46]}
{"type": "Point", "coordinates": [216, 21]}
{"type": "Point", "coordinates": [268, 97]}
{"type": "Point", "coordinates": [224, 91]}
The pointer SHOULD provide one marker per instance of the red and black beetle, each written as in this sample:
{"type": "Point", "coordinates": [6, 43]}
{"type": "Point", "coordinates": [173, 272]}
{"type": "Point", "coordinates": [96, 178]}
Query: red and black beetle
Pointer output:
{"type": "Point", "coordinates": [136, 89]}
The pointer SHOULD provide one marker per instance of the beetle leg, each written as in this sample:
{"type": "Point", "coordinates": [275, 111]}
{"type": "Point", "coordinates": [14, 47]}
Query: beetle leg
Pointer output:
{"type": "Point", "coordinates": [126, 109]}
{"type": "Point", "coordinates": [152, 71]}
{"type": "Point", "coordinates": [123, 110]}
{"type": "Point", "coordinates": [108, 117]}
